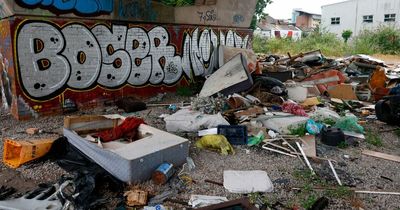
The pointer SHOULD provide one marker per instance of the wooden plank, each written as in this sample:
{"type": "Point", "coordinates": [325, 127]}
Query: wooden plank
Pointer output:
{"type": "Point", "coordinates": [381, 155]}
{"type": "Point", "coordinates": [89, 123]}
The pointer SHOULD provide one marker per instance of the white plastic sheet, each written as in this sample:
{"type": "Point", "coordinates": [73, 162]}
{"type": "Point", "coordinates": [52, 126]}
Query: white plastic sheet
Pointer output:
{"type": "Point", "coordinates": [186, 120]}
{"type": "Point", "coordinates": [205, 200]}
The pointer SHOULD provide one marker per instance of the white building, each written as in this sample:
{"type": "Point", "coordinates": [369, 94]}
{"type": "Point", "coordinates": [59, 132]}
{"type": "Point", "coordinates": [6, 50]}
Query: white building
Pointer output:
{"type": "Point", "coordinates": [357, 15]}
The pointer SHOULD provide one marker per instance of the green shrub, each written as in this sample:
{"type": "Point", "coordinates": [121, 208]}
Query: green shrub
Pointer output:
{"type": "Point", "coordinates": [384, 40]}
{"type": "Point", "coordinates": [346, 35]}
{"type": "Point", "coordinates": [328, 43]}
{"type": "Point", "coordinates": [178, 3]}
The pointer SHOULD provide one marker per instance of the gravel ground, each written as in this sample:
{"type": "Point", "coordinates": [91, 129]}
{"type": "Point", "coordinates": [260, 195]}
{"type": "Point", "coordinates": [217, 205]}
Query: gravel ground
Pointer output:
{"type": "Point", "coordinates": [360, 171]}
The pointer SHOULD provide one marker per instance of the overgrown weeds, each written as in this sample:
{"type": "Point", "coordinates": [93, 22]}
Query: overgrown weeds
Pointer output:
{"type": "Point", "coordinates": [397, 132]}
{"type": "Point", "coordinates": [374, 139]}
{"type": "Point", "coordinates": [384, 40]}
{"type": "Point", "coordinates": [308, 193]}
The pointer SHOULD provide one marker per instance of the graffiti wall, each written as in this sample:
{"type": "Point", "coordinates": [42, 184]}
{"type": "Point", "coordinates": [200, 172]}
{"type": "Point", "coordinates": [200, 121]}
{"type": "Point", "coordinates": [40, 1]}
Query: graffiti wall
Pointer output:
{"type": "Point", "coordinates": [84, 7]}
{"type": "Point", "coordinates": [6, 58]}
{"type": "Point", "coordinates": [90, 62]}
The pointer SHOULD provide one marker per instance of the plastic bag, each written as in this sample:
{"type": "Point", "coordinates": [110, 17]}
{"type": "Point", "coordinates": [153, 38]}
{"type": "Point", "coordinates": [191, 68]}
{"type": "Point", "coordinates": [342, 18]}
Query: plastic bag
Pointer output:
{"type": "Point", "coordinates": [313, 128]}
{"type": "Point", "coordinates": [349, 123]}
{"type": "Point", "coordinates": [215, 142]}
{"type": "Point", "coordinates": [255, 140]}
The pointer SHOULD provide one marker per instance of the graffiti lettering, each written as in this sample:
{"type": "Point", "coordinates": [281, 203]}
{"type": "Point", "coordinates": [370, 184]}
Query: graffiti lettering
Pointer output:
{"type": "Point", "coordinates": [137, 10]}
{"type": "Point", "coordinates": [209, 15]}
{"type": "Point", "coordinates": [5, 83]}
{"type": "Point", "coordinates": [51, 59]}
{"type": "Point", "coordinates": [87, 7]}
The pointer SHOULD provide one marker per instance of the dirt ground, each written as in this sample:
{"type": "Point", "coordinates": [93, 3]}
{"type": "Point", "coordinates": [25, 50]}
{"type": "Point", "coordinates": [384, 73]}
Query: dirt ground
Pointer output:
{"type": "Point", "coordinates": [389, 59]}
{"type": "Point", "coordinates": [354, 169]}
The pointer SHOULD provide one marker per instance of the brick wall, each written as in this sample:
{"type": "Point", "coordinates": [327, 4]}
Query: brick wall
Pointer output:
{"type": "Point", "coordinates": [54, 60]}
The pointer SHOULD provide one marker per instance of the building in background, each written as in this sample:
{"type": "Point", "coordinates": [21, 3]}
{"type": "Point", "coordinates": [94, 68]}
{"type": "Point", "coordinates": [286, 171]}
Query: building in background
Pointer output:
{"type": "Point", "coordinates": [272, 28]}
{"type": "Point", "coordinates": [358, 15]}
{"type": "Point", "coordinates": [306, 21]}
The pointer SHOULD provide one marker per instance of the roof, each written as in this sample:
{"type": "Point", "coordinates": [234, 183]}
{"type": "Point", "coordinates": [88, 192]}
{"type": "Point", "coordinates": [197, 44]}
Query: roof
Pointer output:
{"type": "Point", "coordinates": [303, 11]}
{"type": "Point", "coordinates": [277, 27]}
{"type": "Point", "coordinates": [336, 3]}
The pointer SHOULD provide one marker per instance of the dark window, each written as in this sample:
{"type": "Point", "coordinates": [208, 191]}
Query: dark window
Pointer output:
{"type": "Point", "coordinates": [390, 17]}
{"type": "Point", "coordinates": [368, 18]}
{"type": "Point", "coordinates": [335, 21]}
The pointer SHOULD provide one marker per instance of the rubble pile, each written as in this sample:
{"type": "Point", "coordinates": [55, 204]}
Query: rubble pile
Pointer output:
{"type": "Point", "coordinates": [285, 106]}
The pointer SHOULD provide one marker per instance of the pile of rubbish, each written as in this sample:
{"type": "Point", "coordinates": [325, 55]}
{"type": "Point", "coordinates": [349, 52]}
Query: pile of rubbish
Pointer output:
{"type": "Point", "coordinates": [284, 105]}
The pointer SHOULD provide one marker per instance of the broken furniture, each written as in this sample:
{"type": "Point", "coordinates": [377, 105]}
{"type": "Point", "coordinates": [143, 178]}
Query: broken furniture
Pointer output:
{"type": "Point", "coordinates": [129, 162]}
{"type": "Point", "coordinates": [233, 77]}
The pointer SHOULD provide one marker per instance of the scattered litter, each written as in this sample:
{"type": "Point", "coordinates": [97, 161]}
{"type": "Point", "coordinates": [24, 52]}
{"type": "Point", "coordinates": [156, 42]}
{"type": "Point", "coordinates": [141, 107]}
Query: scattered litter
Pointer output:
{"type": "Point", "coordinates": [136, 197]}
{"type": "Point", "coordinates": [332, 136]}
{"type": "Point", "coordinates": [130, 104]}
{"type": "Point", "coordinates": [215, 142]}
{"type": "Point", "coordinates": [349, 123]}
{"type": "Point", "coordinates": [186, 120]}
{"type": "Point", "coordinates": [18, 152]}
{"type": "Point", "coordinates": [232, 77]}
{"type": "Point", "coordinates": [211, 131]}
{"type": "Point", "coordinates": [381, 155]}
{"type": "Point", "coordinates": [305, 157]}
{"type": "Point", "coordinates": [163, 173]}
{"type": "Point", "coordinates": [334, 172]}
{"type": "Point", "coordinates": [204, 200]}
{"type": "Point", "coordinates": [33, 131]}
{"type": "Point", "coordinates": [244, 182]}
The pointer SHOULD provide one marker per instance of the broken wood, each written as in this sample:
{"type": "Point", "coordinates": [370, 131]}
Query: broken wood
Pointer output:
{"type": "Point", "coordinates": [156, 105]}
{"type": "Point", "coordinates": [277, 151]}
{"type": "Point", "coordinates": [309, 147]}
{"type": "Point", "coordinates": [353, 190]}
{"type": "Point", "coordinates": [305, 157]}
{"type": "Point", "coordinates": [334, 173]}
{"type": "Point", "coordinates": [280, 147]}
{"type": "Point", "coordinates": [381, 155]}
{"type": "Point", "coordinates": [214, 182]}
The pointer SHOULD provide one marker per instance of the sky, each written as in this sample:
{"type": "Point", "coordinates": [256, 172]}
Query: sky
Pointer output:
{"type": "Point", "coordinates": [282, 9]}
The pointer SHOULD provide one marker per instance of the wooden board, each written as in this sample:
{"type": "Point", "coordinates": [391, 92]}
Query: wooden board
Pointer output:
{"type": "Point", "coordinates": [89, 123]}
{"type": "Point", "coordinates": [381, 155]}
{"type": "Point", "coordinates": [342, 91]}
{"type": "Point", "coordinates": [309, 145]}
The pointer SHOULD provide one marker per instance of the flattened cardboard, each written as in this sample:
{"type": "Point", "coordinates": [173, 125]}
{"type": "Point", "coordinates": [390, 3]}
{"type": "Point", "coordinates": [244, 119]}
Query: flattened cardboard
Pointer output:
{"type": "Point", "coordinates": [342, 91]}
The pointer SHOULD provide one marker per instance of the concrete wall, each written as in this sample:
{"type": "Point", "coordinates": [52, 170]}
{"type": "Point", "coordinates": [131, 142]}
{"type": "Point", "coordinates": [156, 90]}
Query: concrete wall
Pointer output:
{"type": "Point", "coordinates": [236, 13]}
{"type": "Point", "coordinates": [231, 13]}
{"type": "Point", "coordinates": [48, 61]}
{"type": "Point", "coordinates": [351, 15]}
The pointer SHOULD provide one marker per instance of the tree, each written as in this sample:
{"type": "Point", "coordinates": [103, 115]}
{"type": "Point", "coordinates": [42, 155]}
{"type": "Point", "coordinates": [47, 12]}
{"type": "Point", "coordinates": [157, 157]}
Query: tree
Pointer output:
{"type": "Point", "coordinates": [259, 13]}
{"type": "Point", "coordinates": [346, 35]}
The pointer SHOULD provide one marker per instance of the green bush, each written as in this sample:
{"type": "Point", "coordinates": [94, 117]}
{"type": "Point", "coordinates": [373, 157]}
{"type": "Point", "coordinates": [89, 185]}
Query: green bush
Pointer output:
{"type": "Point", "coordinates": [384, 40]}
{"type": "Point", "coordinates": [178, 3]}
{"type": "Point", "coordinates": [327, 42]}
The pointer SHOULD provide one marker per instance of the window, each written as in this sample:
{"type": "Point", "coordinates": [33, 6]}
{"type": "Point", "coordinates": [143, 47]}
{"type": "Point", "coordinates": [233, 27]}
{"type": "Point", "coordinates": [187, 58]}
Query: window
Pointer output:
{"type": "Point", "coordinates": [368, 18]}
{"type": "Point", "coordinates": [390, 17]}
{"type": "Point", "coordinates": [335, 21]}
